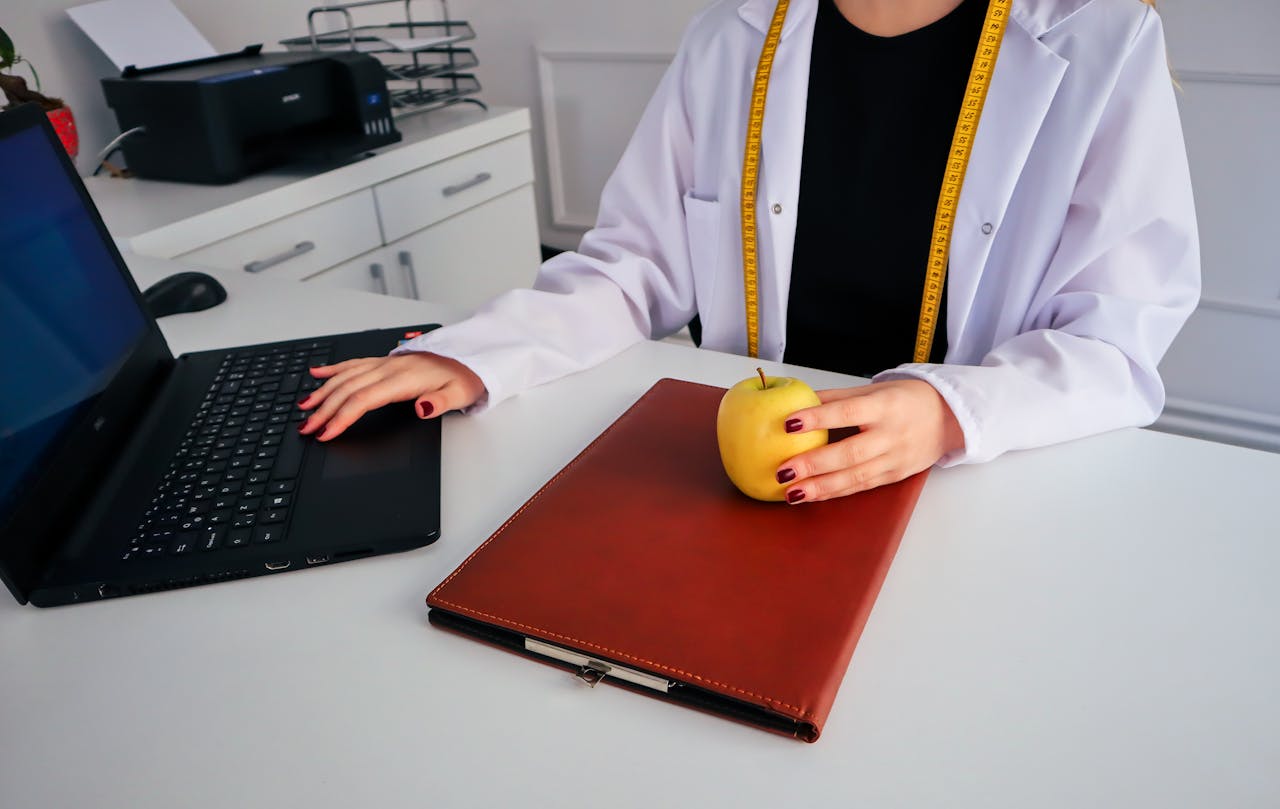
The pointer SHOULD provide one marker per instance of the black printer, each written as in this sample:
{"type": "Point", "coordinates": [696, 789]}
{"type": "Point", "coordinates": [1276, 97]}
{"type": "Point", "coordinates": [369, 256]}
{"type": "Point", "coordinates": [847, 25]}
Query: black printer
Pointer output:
{"type": "Point", "coordinates": [219, 119]}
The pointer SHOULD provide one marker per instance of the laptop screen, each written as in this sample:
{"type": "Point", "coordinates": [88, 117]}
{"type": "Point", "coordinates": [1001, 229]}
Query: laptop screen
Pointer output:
{"type": "Point", "coordinates": [68, 319]}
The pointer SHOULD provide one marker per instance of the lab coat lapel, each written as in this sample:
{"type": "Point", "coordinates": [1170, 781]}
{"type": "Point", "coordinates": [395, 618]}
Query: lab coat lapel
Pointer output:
{"type": "Point", "coordinates": [1022, 88]}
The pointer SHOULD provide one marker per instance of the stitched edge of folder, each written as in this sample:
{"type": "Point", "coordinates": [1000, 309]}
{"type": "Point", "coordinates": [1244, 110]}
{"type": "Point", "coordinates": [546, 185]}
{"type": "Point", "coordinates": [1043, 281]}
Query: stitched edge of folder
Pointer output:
{"type": "Point", "coordinates": [435, 594]}
{"type": "Point", "coordinates": [626, 656]}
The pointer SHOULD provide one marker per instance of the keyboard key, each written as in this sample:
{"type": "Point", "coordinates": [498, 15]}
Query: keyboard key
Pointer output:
{"type": "Point", "coordinates": [257, 477]}
{"type": "Point", "coordinates": [288, 456]}
{"type": "Point", "coordinates": [278, 501]}
{"type": "Point", "coordinates": [211, 539]}
{"type": "Point", "coordinates": [254, 491]}
{"type": "Point", "coordinates": [238, 538]}
{"type": "Point", "coordinates": [184, 543]}
{"type": "Point", "coordinates": [244, 521]}
{"type": "Point", "coordinates": [275, 516]}
{"type": "Point", "coordinates": [264, 534]}
{"type": "Point", "coordinates": [220, 516]}
{"type": "Point", "coordinates": [280, 486]}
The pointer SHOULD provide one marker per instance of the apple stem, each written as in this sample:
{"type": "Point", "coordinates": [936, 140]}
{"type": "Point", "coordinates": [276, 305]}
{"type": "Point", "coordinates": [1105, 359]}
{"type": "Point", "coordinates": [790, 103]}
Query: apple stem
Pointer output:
{"type": "Point", "coordinates": [764, 383]}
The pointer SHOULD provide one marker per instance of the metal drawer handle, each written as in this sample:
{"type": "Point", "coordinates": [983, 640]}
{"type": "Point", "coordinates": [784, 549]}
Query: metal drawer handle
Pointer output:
{"type": "Point", "coordinates": [376, 271]}
{"type": "Point", "coordinates": [410, 279]}
{"type": "Point", "coordinates": [298, 249]}
{"type": "Point", "coordinates": [450, 190]}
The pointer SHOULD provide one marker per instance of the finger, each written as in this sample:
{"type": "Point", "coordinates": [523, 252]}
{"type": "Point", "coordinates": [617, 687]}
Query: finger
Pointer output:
{"type": "Point", "coordinates": [855, 410]}
{"type": "Point", "coordinates": [451, 396]}
{"type": "Point", "coordinates": [880, 471]}
{"type": "Point", "coordinates": [317, 397]}
{"type": "Point", "coordinates": [852, 452]}
{"type": "Point", "coordinates": [833, 394]}
{"type": "Point", "coordinates": [342, 388]}
{"type": "Point", "coordinates": [378, 393]}
{"type": "Point", "coordinates": [326, 371]}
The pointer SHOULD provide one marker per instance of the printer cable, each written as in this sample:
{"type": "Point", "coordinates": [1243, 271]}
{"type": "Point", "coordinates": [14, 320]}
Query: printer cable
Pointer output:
{"type": "Point", "coordinates": [113, 146]}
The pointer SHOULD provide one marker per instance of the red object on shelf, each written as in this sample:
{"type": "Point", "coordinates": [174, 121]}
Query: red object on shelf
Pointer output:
{"type": "Point", "coordinates": [64, 123]}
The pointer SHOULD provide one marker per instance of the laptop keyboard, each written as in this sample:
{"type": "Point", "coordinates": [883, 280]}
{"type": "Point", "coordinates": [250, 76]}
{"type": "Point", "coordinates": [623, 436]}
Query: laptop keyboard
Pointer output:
{"type": "Point", "coordinates": [231, 482]}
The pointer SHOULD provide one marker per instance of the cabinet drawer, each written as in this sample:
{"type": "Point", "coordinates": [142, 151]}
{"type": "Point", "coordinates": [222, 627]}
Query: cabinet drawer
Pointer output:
{"type": "Point", "coordinates": [302, 244]}
{"type": "Point", "coordinates": [360, 273]}
{"type": "Point", "coordinates": [413, 201]}
{"type": "Point", "coordinates": [460, 261]}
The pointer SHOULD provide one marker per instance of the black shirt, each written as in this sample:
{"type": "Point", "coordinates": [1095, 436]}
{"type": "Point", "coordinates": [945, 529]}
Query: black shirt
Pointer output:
{"type": "Point", "coordinates": [880, 117]}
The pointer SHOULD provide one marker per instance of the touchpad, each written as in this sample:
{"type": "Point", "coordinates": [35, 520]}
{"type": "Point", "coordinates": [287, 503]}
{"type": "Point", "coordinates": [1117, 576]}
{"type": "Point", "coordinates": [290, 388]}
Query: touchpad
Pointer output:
{"type": "Point", "coordinates": [378, 443]}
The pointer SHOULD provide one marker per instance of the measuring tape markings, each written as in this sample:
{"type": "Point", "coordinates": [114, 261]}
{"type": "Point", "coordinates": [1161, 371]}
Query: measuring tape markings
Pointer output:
{"type": "Point", "coordinates": [957, 163]}
{"type": "Point", "coordinates": [751, 174]}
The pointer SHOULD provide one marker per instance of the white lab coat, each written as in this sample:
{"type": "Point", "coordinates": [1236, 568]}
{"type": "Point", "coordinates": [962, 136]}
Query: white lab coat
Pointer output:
{"type": "Point", "coordinates": [1074, 260]}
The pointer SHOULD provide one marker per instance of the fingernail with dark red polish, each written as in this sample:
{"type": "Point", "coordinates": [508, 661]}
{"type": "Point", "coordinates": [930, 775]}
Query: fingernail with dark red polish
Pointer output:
{"type": "Point", "coordinates": [786, 475]}
{"type": "Point", "coordinates": [425, 409]}
{"type": "Point", "coordinates": [795, 496]}
{"type": "Point", "coordinates": [794, 425]}
{"type": "Point", "coordinates": [303, 402]}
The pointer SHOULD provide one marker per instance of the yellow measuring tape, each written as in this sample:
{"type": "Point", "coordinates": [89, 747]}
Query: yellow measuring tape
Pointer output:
{"type": "Point", "coordinates": [975, 96]}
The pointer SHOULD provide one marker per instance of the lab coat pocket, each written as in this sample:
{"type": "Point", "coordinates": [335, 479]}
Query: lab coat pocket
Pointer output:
{"type": "Point", "coordinates": [702, 226]}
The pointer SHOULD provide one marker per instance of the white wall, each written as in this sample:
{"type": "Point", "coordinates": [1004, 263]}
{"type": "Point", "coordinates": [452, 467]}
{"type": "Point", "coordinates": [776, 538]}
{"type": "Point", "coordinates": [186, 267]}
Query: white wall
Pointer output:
{"type": "Point", "coordinates": [1223, 372]}
{"type": "Point", "coordinates": [598, 101]}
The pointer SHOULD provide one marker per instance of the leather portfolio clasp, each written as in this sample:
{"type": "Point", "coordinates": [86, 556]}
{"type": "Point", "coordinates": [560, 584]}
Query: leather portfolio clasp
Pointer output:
{"type": "Point", "coordinates": [592, 673]}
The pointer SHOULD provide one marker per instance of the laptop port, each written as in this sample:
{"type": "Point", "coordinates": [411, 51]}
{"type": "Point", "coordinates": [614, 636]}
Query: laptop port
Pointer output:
{"type": "Point", "coordinates": [317, 560]}
{"type": "Point", "coordinates": [278, 565]}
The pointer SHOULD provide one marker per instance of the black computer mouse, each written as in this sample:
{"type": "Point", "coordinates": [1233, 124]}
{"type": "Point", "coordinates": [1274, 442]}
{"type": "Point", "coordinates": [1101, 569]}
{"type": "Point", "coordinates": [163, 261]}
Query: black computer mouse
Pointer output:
{"type": "Point", "coordinates": [184, 292]}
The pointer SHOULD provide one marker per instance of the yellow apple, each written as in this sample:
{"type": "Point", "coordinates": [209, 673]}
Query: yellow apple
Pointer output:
{"type": "Point", "coordinates": [750, 428]}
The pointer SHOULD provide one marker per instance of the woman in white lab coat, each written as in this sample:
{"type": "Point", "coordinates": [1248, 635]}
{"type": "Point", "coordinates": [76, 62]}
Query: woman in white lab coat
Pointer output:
{"type": "Point", "coordinates": [1074, 259]}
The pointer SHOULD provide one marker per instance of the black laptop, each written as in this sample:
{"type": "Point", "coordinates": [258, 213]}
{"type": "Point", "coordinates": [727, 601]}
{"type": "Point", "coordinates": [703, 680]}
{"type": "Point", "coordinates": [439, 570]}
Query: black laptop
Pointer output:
{"type": "Point", "coordinates": [124, 470]}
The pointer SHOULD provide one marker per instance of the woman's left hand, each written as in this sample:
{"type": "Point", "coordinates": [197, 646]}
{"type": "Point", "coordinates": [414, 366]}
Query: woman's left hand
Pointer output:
{"type": "Point", "coordinates": [903, 426]}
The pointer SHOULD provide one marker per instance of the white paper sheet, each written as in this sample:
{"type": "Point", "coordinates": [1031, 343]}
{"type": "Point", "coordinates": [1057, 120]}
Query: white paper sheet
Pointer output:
{"type": "Point", "coordinates": [143, 33]}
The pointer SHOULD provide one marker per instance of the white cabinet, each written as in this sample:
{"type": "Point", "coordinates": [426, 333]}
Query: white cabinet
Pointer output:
{"type": "Point", "coordinates": [412, 201]}
{"type": "Point", "coordinates": [447, 215]}
{"type": "Point", "coordinates": [301, 244]}
{"type": "Point", "coordinates": [463, 260]}
{"type": "Point", "coordinates": [366, 273]}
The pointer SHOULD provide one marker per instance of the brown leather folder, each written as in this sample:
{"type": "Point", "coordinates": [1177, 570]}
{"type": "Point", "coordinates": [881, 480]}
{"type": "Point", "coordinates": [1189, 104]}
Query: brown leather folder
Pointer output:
{"type": "Point", "coordinates": [641, 565]}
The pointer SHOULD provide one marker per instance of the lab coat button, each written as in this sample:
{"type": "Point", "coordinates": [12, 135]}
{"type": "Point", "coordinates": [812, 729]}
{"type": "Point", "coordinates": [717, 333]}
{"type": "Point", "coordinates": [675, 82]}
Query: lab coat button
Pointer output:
{"type": "Point", "coordinates": [987, 228]}
{"type": "Point", "coordinates": [777, 208]}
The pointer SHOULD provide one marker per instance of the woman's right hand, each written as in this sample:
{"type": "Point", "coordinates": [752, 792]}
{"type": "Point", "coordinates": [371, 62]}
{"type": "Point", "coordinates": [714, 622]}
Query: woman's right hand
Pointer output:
{"type": "Point", "coordinates": [436, 384]}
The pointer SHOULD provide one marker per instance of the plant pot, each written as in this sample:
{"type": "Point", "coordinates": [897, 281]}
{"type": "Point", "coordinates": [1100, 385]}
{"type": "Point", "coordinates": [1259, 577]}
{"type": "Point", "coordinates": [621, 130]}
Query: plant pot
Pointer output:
{"type": "Point", "coordinates": [64, 123]}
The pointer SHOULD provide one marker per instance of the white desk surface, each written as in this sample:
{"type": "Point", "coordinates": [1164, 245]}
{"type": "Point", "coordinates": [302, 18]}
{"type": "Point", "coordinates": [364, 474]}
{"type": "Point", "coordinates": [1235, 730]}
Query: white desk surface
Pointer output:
{"type": "Point", "coordinates": [1088, 625]}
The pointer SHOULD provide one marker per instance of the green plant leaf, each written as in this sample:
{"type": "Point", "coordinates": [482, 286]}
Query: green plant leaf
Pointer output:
{"type": "Point", "coordinates": [6, 50]}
